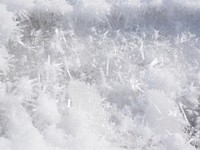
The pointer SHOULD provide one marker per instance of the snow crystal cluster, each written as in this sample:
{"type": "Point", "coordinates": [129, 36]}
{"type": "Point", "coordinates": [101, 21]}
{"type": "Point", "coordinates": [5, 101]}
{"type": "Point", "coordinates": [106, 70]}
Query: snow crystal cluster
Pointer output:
{"type": "Point", "coordinates": [99, 75]}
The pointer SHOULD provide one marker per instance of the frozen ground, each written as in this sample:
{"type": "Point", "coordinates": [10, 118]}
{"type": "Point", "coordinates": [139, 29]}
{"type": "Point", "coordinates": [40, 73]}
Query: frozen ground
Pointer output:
{"type": "Point", "coordinates": [99, 74]}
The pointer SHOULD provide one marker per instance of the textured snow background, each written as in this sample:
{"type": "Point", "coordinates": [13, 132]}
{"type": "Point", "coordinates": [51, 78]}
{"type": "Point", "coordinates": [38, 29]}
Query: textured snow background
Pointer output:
{"type": "Point", "coordinates": [99, 74]}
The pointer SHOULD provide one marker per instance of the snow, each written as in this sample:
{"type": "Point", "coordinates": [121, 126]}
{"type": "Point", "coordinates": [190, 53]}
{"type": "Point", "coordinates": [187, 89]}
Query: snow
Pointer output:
{"type": "Point", "coordinates": [99, 74]}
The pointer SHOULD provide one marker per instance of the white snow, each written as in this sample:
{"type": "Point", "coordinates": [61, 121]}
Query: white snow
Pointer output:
{"type": "Point", "coordinates": [99, 74]}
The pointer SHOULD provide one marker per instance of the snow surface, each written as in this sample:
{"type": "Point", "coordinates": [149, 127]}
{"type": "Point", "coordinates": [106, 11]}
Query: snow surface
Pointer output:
{"type": "Point", "coordinates": [99, 75]}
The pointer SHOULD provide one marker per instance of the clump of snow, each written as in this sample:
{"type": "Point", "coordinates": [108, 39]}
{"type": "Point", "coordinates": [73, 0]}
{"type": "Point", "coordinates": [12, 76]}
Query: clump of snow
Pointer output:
{"type": "Point", "coordinates": [8, 25]}
{"type": "Point", "coordinates": [18, 5]}
{"type": "Point", "coordinates": [55, 6]}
